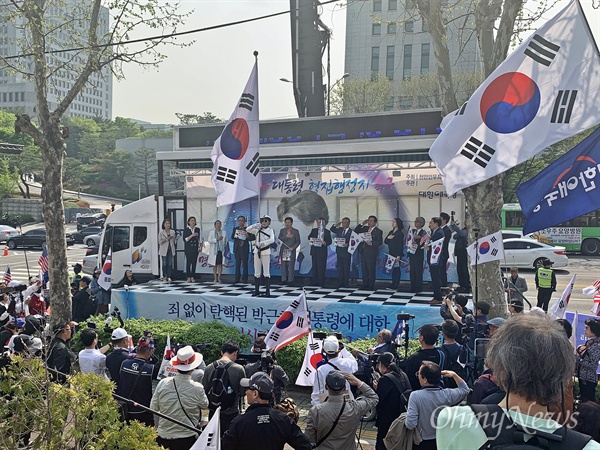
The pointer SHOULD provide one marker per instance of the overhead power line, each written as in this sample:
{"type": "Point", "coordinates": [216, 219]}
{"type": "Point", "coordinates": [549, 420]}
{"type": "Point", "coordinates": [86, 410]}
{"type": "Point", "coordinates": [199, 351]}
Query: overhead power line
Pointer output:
{"type": "Point", "coordinates": [163, 36]}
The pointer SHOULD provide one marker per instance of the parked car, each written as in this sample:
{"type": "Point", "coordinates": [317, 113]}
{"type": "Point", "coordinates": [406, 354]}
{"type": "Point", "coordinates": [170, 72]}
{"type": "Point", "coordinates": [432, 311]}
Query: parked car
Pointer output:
{"type": "Point", "coordinates": [33, 238]}
{"type": "Point", "coordinates": [528, 253]}
{"type": "Point", "coordinates": [89, 220]}
{"type": "Point", "coordinates": [7, 232]}
{"type": "Point", "coordinates": [81, 236]}
{"type": "Point", "coordinates": [90, 261]}
{"type": "Point", "coordinates": [514, 234]}
{"type": "Point", "coordinates": [92, 250]}
{"type": "Point", "coordinates": [93, 240]}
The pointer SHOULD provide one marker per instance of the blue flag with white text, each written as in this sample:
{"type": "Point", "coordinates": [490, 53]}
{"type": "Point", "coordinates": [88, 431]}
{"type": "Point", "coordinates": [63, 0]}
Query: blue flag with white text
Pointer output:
{"type": "Point", "coordinates": [567, 188]}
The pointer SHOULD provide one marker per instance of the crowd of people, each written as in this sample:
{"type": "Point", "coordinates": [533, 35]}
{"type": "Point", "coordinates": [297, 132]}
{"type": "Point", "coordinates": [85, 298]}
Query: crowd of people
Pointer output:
{"type": "Point", "coordinates": [259, 240]}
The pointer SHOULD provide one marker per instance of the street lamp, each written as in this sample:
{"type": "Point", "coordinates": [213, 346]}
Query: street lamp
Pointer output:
{"type": "Point", "coordinates": [330, 88]}
{"type": "Point", "coordinates": [300, 102]}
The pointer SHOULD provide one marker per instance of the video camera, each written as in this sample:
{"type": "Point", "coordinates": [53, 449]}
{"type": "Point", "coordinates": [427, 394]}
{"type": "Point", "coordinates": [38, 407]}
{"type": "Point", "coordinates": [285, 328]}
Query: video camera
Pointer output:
{"type": "Point", "coordinates": [13, 289]}
{"type": "Point", "coordinates": [266, 361]}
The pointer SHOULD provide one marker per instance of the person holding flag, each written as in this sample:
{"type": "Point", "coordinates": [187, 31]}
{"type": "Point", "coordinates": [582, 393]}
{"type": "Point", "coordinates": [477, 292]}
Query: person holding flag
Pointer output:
{"type": "Point", "coordinates": [372, 240]}
{"type": "Point", "coordinates": [101, 295]}
{"type": "Point", "coordinates": [395, 243]}
{"type": "Point", "coordinates": [437, 234]}
{"type": "Point", "coordinates": [415, 241]}
{"type": "Point", "coordinates": [320, 240]}
{"type": "Point", "coordinates": [344, 257]}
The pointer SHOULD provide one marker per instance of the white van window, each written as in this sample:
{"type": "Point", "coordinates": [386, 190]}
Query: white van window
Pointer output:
{"type": "Point", "coordinates": [140, 234]}
{"type": "Point", "coordinates": [120, 238]}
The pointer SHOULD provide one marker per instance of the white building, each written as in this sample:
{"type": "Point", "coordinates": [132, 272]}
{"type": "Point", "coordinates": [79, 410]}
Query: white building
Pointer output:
{"type": "Point", "coordinates": [17, 92]}
{"type": "Point", "coordinates": [388, 37]}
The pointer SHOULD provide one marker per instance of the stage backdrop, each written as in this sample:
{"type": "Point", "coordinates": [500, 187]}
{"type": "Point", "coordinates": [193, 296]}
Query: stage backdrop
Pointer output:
{"type": "Point", "coordinates": [304, 197]}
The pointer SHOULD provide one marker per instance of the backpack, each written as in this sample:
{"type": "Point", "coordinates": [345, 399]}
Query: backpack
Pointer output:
{"type": "Point", "coordinates": [454, 363]}
{"type": "Point", "coordinates": [221, 392]}
{"type": "Point", "coordinates": [507, 435]}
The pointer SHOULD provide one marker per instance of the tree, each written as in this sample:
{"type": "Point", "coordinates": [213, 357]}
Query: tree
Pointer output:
{"type": "Point", "coordinates": [194, 119]}
{"type": "Point", "coordinates": [494, 22]}
{"type": "Point", "coordinates": [144, 164]}
{"type": "Point", "coordinates": [423, 91]}
{"type": "Point", "coordinates": [9, 179]}
{"type": "Point", "coordinates": [51, 25]}
{"type": "Point", "coordinates": [362, 96]}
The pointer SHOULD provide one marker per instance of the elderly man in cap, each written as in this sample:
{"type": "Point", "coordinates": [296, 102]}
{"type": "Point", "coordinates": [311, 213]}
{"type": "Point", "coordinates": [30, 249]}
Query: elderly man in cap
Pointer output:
{"type": "Point", "coordinates": [332, 425]}
{"type": "Point", "coordinates": [331, 348]}
{"type": "Point", "coordinates": [180, 398]}
{"type": "Point", "coordinates": [262, 427]}
{"type": "Point", "coordinates": [120, 342]}
{"type": "Point", "coordinates": [494, 324]}
{"type": "Point", "coordinates": [262, 253]}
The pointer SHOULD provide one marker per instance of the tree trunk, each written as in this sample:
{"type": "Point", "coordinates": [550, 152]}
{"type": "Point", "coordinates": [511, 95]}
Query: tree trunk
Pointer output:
{"type": "Point", "coordinates": [54, 217]}
{"type": "Point", "coordinates": [484, 201]}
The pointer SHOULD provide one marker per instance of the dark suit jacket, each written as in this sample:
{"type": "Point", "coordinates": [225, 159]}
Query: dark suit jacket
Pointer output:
{"type": "Point", "coordinates": [395, 243]}
{"type": "Point", "coordinates": [191, 245]}
{"type": "Point", "coordinates": [339, 232]}
{"type": "Point", "coordinates": [447, 236]}
{"type": "Point", "coordinates": [436, 236]}
{"type": "Point", "coordinates": [241, 246]}
{"type": "Point", "coordinates": [293, 242]}
{"type": "Point", "coordinates": [376, 237]}
{"type": "Point", "coordinates": [327, 238]}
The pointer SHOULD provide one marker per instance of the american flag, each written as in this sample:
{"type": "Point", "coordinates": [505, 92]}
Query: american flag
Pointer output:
{"type": "Point", "coordinates": [7, 276]}
{"type": "Point", "coordinates": [43, 261]}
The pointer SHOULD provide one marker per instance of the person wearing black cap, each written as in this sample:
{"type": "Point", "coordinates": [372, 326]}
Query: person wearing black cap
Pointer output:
{"type": "Point", "coordinates": [262, 253]}
{"type": "Point", "coordinates": [332, 425]}
{"type": "Point", "coordinates": [262, 427]}
{"type": "Point", "coordinates": [75, 277]}
{"type": "Point", "coordinates": [82, 304]}
{"type": "Point", "coordinates": [545, 282]}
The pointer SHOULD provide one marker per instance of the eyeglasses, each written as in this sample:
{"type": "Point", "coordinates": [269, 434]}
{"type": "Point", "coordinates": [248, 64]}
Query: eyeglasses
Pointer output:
{"type": "Point", "coordinates": [417, 374]}
{"type": "Point", "coordinates": [264, 220]}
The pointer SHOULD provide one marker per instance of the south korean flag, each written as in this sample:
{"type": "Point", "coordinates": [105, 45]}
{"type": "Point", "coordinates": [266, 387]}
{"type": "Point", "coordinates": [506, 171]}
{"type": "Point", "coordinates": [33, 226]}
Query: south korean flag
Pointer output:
{"type": "Point", "coordinates": [313, 358]}
{"type": "Point", "coordinates": [235, 174]}
{"type": "Point", "coordinates": [293, 323]}
{"type": "Point", "coordinates": [546, 90]}
{"type": "Point", "coordinates": [489, 248]}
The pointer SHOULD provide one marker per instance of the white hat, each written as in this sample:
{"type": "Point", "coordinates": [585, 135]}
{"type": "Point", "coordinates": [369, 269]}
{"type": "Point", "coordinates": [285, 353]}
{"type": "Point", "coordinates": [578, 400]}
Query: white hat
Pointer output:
{"type": "Point", "coordinates": [186, 359]}
{"type": "Point", "coordinates": [36, 345]}
{"type": "Point", "coordinates": [331, 345]}
{"type": "Point", "coordinates": [118, 334]}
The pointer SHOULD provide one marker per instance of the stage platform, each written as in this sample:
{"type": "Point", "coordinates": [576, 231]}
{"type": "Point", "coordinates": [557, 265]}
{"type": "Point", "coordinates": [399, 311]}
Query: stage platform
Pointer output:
{"type": "Point", "coordinates": [355, 312]}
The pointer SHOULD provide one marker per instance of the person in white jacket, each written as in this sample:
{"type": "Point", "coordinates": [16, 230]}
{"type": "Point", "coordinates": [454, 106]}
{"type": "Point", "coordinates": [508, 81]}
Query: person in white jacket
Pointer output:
{"type": "Point", "coordinates": [217, 239]}
{"type": "Point", "coordinates": [262, 253]}
{"type": "Point", "coordinates": [166, 249]}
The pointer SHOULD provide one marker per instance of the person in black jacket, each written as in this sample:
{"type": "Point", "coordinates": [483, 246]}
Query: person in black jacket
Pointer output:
{"type": "Point", "coordinates": [241, 250]}
{"type": "Point", "coordinates": [59, 354]}
{"type": "Point", "coordinates": [389, 387]}
{"type": "Point", "coordinates": [416, 255]}
{"type": "Point", "coordinates": [369, 250]}
{"type": "Point", "coordinates": [320, 239]}
{"type": "Point", "coordinates": [192, 237]}
{"type": "Point", "coordinates": [443, 267]}
{"type": "Point", "coordinates": [344, 258]}
{"type": "Point", "coordinates": [82, 304]}
{"type": "Point", "coordinates": [127, 280]}
{"type": "Point", "coordinates": [395, 243]}
{"type": "Point", "coordinates": [460, 251]}
{"type": "Point", "coordinates": [262, 427]}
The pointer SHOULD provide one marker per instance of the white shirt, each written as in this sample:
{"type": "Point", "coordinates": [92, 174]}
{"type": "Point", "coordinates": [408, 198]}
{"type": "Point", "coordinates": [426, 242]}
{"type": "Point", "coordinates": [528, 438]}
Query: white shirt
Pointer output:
{"type": "Point", "coordinates": [92, 361]}
{"type": "Point", "coordinates": [348, 365]}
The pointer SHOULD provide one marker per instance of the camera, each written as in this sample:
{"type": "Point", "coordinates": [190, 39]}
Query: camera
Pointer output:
{"type": "Point", "coordinates": [12, 289]}
{"type": "Point", "coordinates": [403, 316]}
{"type": "Point", "coordinates": [266, 361]}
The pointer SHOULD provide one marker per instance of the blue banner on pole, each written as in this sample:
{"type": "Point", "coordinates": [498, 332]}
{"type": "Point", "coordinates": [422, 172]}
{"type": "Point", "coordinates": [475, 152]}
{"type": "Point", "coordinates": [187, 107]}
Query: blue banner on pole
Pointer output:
{"type": "Point", "coordinates": [567, 188]}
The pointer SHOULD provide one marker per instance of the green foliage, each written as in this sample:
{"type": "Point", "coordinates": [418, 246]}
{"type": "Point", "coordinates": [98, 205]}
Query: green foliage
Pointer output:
{"type": "Point", "coordinates": [78, 415]}
{"type": "Point", "coordinates": [193, 119]}
{"type": "Point", "coordinates": [214, 333]}
{"type": "Point", "coordinates": [362, 95]}
{"type": "Point", "coordinates": [9, 179]}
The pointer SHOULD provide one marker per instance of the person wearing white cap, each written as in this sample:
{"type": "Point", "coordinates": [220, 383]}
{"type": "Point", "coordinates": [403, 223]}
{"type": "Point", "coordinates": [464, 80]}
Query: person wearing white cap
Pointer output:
{"type": "Point", "coordinates": [180, 398]}
{"type": "Point", "coordinates": [331, 348]}
{"type": "Point", "coordinates": [120, 342]}
{"type": "Point", "coordinates": [262, 253]}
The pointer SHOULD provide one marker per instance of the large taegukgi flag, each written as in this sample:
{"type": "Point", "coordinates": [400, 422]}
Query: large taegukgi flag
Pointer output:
{"type": "Point", "coordinates": [567, 188]}
{"type": "Point", "coordinates": [235, 153]}
{"type": "Point", "coordinates": [546, 90]}
{"type": "Point", "coordinates": [293, 323]}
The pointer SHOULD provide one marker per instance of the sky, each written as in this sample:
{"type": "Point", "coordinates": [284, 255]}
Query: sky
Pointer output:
{"type": "Point", "coordinates": [209, 75]}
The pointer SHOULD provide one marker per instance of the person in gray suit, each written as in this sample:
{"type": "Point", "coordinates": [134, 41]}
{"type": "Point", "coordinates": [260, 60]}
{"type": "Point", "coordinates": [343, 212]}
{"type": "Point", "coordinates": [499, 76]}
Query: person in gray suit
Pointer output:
{"type": "Point", "coordinates": [515, 285]}
{"type": "Point", "coordinates": [290, 241]}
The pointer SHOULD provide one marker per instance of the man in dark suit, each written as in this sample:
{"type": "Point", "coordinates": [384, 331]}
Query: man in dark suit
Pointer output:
{"type": "Point", "coordinates": [343, 256]}
{"type": "Point", "coordinates": [320, 239]}
{"type": "Point", "coordinates": [241, 250]}
{"type": "Point", "coordinates": [416, 255]}
{"type": "Point", "coordinates": [435, 224]}
{"type": "Point", "coordinates": [370, 250]}
{"type": "Point", "coordinates": [445, 253]}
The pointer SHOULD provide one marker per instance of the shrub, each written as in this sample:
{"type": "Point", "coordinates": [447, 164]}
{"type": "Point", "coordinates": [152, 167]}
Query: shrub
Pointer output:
{"type": "Point", "coordinates": [213, 333]}
{"type": "Point", "coordinates": [82, 203]}
{"type": "Point", "coordinates": [78, 415]}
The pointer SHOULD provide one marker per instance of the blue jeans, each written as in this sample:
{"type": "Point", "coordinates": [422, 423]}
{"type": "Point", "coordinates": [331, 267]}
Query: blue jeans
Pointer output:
{"type": "Point", "coordinates": [167, 265]}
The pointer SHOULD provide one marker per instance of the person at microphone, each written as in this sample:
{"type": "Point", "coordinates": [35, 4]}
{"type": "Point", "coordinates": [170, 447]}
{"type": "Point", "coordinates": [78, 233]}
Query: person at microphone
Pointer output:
{"type": "Point", "coordinates": [320, 240]}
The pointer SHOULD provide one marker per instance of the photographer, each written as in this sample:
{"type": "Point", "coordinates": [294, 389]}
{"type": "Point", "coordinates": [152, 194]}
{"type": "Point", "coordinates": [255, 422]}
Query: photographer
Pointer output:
{"type": "Point", "coordinates": [470, 328]}
{"type": "Point", "coordinates": [120, 342]}
{"type": "Point", "coordinates": [267, 364]}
